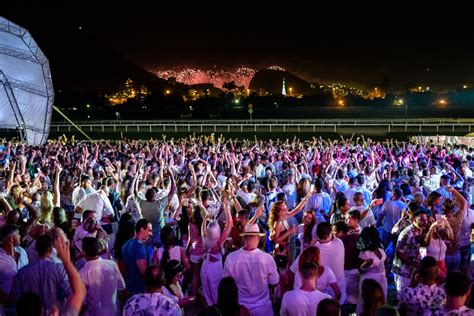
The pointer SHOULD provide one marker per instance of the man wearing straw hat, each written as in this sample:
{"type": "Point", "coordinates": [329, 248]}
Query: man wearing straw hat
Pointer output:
{"type": "Point", "coordinates": [253, 271]}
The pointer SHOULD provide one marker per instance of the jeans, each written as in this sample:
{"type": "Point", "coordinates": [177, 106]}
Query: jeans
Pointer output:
{"type": "Point", "coordinates": [387, 239]}
{"type": "Point", "coordinates": [453, 262]}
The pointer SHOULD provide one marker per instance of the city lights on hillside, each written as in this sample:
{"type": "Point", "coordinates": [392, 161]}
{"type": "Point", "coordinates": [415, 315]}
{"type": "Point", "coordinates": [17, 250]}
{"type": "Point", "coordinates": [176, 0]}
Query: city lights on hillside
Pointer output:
{"type": "Point", "coordinates": [398, 102]}
{"type": "Point", "coordinates": [128, 91]}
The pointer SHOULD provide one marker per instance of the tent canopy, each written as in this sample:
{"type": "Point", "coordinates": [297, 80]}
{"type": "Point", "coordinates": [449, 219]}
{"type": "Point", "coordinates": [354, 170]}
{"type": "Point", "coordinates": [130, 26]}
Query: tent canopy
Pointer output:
{"type": "Point", "coordinates": [26, 88]}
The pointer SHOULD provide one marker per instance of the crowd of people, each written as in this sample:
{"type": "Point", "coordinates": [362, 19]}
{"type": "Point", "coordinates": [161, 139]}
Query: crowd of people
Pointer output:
{"type": "Point", "coordinates": [215, 226]}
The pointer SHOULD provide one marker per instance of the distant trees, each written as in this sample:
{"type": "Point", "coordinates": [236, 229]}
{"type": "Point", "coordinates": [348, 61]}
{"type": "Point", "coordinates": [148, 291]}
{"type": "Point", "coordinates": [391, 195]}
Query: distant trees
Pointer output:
{"type": "Point", "coordinates": [229, 86]}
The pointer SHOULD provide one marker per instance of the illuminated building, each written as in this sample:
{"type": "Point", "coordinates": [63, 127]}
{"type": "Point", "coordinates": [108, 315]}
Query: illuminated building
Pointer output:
{"type": "Point", "coordinates": [129, 91]}
{"type": "Point", "coordinates": [376, 93]}
{"type": "Point", "coordinates": [339, 90]}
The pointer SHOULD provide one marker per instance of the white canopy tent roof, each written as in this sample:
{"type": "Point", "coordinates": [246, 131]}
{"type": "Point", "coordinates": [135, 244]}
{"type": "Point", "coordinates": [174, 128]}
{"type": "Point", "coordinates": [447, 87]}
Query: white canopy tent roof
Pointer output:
{"type": "Point", "coordinates": [26, 88]}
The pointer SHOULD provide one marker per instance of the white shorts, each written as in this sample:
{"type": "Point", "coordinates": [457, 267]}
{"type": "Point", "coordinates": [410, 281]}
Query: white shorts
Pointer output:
{"type": "Point", "coordinates": [196, 259]}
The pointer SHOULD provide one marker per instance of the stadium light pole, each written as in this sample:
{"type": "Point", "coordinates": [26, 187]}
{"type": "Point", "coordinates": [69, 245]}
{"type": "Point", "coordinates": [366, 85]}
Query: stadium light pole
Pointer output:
{"type": "Point", "coordinates": [250, 106]}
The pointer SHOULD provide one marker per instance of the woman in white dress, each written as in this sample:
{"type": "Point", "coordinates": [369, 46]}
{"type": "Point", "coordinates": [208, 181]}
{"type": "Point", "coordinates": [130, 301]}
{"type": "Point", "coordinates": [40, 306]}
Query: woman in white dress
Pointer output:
{"type": "Point", "coordinates": [212, 270]}
{"type": "Point", "coordinates": [372, 257]}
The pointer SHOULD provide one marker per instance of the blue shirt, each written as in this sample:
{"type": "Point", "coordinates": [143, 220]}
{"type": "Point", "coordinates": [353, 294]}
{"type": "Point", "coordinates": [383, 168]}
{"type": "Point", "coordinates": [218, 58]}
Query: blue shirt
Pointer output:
{"type": "Point", "coordinates": [318, 202]}
{"type": "Point", "coordinates": [132, 251]}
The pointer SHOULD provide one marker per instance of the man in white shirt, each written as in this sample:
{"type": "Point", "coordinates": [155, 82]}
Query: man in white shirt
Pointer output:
{"type": "Point", "coordinates": [102, 279]}
{"type": "Point", "coordinates": [332, 254]}
{"type": "Point", "coordinates": [247, 195]}
{"type": "Point", "coordinates": [80, 233]}
{"type": "Point", "coordinates": [320, 203]}
{"type": "Point", "coordinates": [98, 202]}
{"type": "Point", "coordinates": [83, 190]}
{"type": "Point", "coordinates": [349, 193]}
{"type": "Point", "coordinates": [253, 271]}
{"type": "Point", "coordinates": [303, 301]}
{"type": "Point", "coordinates": [359, 205]}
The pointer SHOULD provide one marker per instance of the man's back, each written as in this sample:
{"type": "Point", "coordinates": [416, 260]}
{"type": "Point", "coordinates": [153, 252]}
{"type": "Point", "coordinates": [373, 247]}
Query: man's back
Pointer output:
{"type": "Point", "coordinates": [422, 299]}
{"type": "Point", "coordinates": [253, 271]}
{"type": "Point", "coordinates": [102, 279]}
{"type": "Point", "coordinates": [332, 255]}
{"type": "Point", "coordinates": [153, 211]}
{"type": "Point", "coordinates": [392, 211]}
{"type": "Point", "coordinates": [98, 203]}
{"type": "Point", "coordinates": [46, 278]}
{"type": "Point", "coordinates": [132, 251]}
{"type": "Point", "coordinates": [151, 304]}
{"type": "Point", "coordinates": [301, 303]}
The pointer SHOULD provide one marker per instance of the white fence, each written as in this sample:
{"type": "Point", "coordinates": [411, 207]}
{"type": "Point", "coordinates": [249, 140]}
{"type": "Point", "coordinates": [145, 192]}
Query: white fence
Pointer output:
{"type": "Point", "coordinates": [459, 126]}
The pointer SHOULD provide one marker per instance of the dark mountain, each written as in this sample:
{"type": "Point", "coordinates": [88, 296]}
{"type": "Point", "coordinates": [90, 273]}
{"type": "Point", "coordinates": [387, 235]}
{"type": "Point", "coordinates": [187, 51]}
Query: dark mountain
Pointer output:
{"type": "Point", "coordinates": [80, 64]}
{"type": "Point", "coordinates": [271, 81]}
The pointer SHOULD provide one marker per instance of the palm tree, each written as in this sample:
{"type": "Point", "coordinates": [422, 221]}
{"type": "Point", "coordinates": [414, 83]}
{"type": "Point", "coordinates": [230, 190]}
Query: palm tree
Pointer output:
{"type": "Point", "coordinates": [229, 86]}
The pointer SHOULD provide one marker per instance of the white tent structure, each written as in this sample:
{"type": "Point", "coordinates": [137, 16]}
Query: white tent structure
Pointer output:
{"type": "Point", "coordinates": [26, 89]}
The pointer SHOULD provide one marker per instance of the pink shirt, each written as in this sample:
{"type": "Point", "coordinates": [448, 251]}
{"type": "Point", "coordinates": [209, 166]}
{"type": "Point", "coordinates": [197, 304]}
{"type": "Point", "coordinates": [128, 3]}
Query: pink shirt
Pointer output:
{"type": "Point", "coordinates": [196, 241]}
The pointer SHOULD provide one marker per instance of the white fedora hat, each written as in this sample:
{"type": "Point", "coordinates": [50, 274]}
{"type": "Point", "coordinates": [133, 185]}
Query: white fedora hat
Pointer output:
{"type": "Point", "coordinates": [252, 230]}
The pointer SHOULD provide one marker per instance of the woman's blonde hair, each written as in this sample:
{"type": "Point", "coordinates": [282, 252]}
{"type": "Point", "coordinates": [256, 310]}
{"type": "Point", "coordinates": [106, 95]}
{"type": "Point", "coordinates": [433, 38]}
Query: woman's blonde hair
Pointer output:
{"type": "Point", "coordinates": [15, 191]}
{"type": "Point", "coordinates": [46, 206]}
{"type": "Point", "coordinates": [274, 216]}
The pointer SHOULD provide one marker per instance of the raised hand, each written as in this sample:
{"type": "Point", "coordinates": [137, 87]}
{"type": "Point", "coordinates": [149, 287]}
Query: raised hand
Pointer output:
{"type": "Point", "coordinates": [62, 248]}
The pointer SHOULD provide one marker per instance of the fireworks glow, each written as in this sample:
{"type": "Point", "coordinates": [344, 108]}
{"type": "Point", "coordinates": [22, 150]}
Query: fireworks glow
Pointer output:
{"type": "Point", "coordinates": [190, 76]}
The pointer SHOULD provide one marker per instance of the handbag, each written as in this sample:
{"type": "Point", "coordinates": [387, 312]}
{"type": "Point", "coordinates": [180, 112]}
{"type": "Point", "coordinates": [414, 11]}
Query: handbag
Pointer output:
{"type": "Point", "coordinates": [281, 260]}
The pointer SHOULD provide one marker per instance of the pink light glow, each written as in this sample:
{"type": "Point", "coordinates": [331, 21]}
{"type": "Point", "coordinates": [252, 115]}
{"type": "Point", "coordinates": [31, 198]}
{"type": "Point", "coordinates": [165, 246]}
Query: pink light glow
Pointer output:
{"type": "Point", "coordinates": [190, 76]}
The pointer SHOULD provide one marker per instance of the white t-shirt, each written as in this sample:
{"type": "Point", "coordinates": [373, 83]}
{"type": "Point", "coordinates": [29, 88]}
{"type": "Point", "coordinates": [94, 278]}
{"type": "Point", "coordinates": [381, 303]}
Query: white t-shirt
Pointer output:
{"type": "Point", "coordinates": [253, 271]}
{"type": "Point", "coordinates": [332, 256]}
{"type": "Point", "coordinates": [301, 303]}
{"type": "Point", "coordinates": [102, 279]}
{"type": "Point", "coordinates": [349, 193]}
{"type": "Point", "coordinates": [79, 194]}
{"type": "Point", "coordinates": [368, 220]}
{"type": "Point", "coordinates": [323, 282]}
{"type": "Point", "coordinates": [97, 202]}
{"type": "Point", "coordinates": [436, 249]}
{"type": "Point", "coordinates": [247, 197]}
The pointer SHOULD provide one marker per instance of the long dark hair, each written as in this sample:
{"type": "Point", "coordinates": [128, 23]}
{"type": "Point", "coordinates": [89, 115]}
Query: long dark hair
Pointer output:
{"type": "Point", "coordinates": [382, 188]}
{"type": "Point", "coordinates": [197, 219]}
{"type": "Point", "coordinates": [228, 297]}
{"type": "Point", "coordinates": [431, 199]}
{"type": "Point", "coordinates": [372, 296]}
{"type": "Point", "coordinates": [369, 239]}
{"type": "Point", "coordinates": [308, 230]}
{"type": "Point", "coordinates": [168, 239]}
{"type": "Point", "coordinates": [125, 232]}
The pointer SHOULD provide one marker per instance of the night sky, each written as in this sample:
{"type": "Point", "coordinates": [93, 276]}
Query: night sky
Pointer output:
{"type": "Point", "coordinates": [408, 47]}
